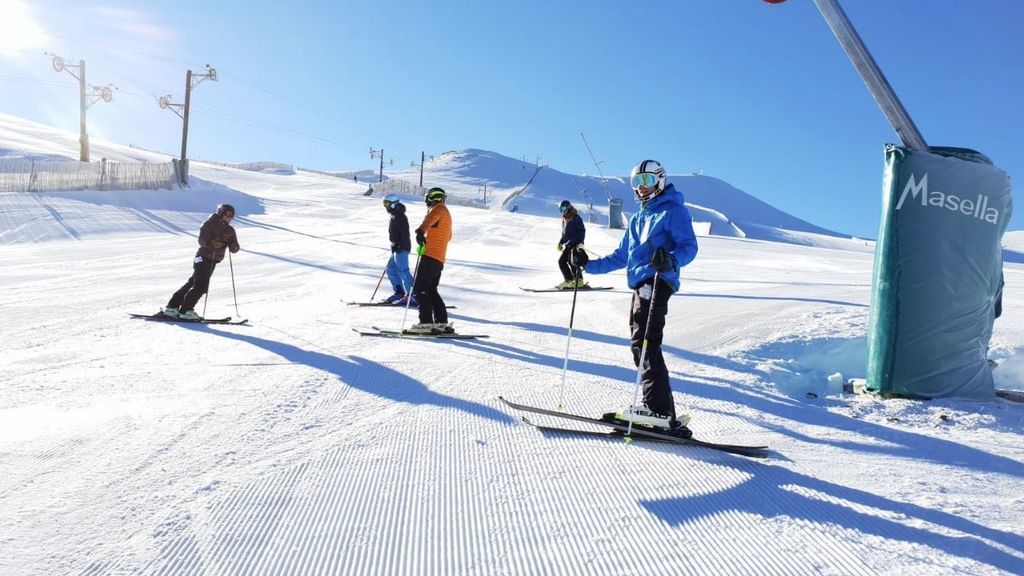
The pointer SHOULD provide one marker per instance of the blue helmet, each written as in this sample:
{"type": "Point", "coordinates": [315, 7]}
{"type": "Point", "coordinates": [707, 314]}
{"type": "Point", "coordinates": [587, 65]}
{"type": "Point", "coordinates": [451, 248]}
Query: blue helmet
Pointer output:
{"type": "Point", "coordinates": [391, 199]}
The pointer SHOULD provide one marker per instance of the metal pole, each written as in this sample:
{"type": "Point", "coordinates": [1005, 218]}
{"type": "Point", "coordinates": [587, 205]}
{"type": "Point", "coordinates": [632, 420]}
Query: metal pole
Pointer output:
{"type": "Point", "coordinates": [412, 290]}
{"type": "Point", "coordinates": [83, 139]}
{"type": "Point", "coordinates": [384, 271]}
{"type": "Point", "coordinates": [568, 338]}
{"type": "Point", "coordinates": [184, 127]}
{"type": "Point", "coordinates": [643, 348]}
{"type": "Point", "coordinates": [598, 166]}
{"type": "Point", "coordinates": [233, 292]}
{"type": "Point", "coordinates": [869, 71]}
{"type": "Point", "coordinates": [381, 177]}
{"type": "Point", "coordinates": [423, 156]}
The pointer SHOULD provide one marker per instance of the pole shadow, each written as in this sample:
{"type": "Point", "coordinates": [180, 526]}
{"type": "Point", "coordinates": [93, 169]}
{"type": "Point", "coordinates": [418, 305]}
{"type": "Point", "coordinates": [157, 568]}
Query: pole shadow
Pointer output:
{"type": "Point", "coordinates": [769, 494]}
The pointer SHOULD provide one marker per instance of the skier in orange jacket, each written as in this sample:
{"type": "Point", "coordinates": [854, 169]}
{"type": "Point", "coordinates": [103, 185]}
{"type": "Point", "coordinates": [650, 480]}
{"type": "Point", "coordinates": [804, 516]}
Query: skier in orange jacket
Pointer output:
{"type": "Point", "coordinates": [432, 236]}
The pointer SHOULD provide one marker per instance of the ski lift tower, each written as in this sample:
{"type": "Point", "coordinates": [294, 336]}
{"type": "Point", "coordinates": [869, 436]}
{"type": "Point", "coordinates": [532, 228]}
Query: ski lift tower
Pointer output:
{"type": "Point", "coordinates": [614, 204]}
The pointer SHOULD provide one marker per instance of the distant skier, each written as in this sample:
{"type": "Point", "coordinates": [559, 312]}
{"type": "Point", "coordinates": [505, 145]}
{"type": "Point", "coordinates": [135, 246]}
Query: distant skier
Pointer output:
{"type": "Point", "coordinates": [215, 236]}
{"type": "Point", "coordinates": [398, 266]}
{"type": "Point", "coordinates": [432, 236]}
{"type": "Point", "coordinates": [573, 235]}
{"type": "Point", "coordinates": [658, 242]}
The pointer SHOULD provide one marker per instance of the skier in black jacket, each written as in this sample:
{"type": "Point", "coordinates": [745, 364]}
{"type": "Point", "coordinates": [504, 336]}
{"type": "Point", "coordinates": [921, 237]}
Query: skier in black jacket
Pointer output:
{"type": "Point", "coordinates": [215, 236]}
{"type": "Point", "coordinates": [573, 234]}
{"type": "Point", "coordinates": [398, 265]}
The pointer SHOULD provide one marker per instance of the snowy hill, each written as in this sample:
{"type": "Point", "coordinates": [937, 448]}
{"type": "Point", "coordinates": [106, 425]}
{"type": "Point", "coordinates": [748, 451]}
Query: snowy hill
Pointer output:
{"type": "Point", "coordinates": [293, 445]}
{"type": "Point", "coordinates": [513, 185]}
{"type": "Point", "coordinates": [521, 186]}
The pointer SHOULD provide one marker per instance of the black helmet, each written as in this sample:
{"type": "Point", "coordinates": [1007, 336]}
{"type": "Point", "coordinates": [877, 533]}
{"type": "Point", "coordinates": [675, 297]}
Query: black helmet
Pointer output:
{"type": "Point", "coordinates": [564, 206]}
{"type": "Point", "coordinates": [434, 195]}
{"type": "Point", "coordinates": [224, 209]}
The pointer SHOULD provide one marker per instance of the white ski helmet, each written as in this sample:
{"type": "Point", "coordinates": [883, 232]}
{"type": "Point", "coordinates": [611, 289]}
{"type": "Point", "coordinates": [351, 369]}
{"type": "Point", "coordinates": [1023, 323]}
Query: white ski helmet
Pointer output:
{"type": "Point", "coordinates": [651, 168]}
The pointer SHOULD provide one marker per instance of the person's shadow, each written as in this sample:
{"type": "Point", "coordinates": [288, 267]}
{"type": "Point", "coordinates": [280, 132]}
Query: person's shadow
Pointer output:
{"type": "Point", "coordinates": [368, 376]}
{"type": "Point", "coordinates": [770, 493]}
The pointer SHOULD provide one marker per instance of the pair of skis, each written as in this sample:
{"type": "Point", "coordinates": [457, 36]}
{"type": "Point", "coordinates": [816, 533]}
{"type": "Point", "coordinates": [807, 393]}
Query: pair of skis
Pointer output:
{"type": "Point", "coordinates": [619, 429]}
{"type": "Point", "coordinates": [161, 317]}
{"type": "Point", "coordinates": [375, 331]}
{"type": "Point", "coordinates": [382, 304]}
{"type": "Point", "coordinates": [587, 288]}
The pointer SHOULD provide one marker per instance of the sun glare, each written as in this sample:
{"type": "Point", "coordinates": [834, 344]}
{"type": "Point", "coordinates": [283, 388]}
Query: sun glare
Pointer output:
{"type": "Point", "coordinates": [18, 30]}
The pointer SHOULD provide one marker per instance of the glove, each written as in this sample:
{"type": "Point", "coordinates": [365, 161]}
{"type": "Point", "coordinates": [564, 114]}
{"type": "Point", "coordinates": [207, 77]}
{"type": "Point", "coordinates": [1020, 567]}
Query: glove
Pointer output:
{"type": "Point", "coordinates": [421, 249]}
{"type": "Point", "coordinates": [560, 248]}
{"type": "Point", "coordinates": [421, 238]}
{"type": "Point", "coordinates": [579, 257]}
{"type": "Point", "coordinates": [394, 246]}
{"type": "Point", "coordinates": [663, 261]}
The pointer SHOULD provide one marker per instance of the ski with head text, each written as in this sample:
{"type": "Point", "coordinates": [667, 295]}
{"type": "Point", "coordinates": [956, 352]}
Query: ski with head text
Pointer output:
{"type": "Point", "coordinates": [637, 432]}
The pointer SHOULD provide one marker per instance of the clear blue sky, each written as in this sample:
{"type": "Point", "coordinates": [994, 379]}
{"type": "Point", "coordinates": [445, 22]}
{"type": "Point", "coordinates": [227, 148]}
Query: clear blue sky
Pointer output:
{"type": "Point", "coordinates": [759, 95]}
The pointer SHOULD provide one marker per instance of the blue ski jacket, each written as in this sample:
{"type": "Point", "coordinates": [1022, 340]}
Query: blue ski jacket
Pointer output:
{"type": "Point", "coordinates": [661, 222]}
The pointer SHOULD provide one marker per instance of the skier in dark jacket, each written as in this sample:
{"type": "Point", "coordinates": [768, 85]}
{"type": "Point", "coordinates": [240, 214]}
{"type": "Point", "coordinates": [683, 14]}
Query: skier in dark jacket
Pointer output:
{"type": "Point", "coordinates": [215, 236]}
{"type": "Point", "coordinates": [658, 242]}
{"type": "Point", "coordinates": [401, 244]}
{"type": "Point", "coordinates": [573, 235]}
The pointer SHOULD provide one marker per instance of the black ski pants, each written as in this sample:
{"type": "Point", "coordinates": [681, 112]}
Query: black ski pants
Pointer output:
{"type": "Point", "coordinates": [193, 289]}
{"type": "Point", "coordinates": [432, 307]}
{"type": "Point", "coordinates": [568, 270]}
{"type": "Point", "coordinates": [654, 374]}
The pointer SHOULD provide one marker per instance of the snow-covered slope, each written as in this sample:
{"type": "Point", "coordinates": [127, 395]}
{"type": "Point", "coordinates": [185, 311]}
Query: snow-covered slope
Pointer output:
{"type": "Point", "coordinates": [521, 186]}
{"type": "Point", "coordinates": [293, 445]}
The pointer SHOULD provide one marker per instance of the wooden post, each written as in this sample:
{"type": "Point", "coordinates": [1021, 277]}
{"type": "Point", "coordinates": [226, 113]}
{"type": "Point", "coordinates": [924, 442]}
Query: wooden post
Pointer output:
{"type": "Point", "coordinates": [83, 139]}
{"type": "Point", "coordinates": [183, 163]}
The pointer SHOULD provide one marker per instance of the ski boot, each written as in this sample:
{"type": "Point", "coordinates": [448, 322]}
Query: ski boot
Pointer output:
{"type": "Point", "coordinates": [421, 328]}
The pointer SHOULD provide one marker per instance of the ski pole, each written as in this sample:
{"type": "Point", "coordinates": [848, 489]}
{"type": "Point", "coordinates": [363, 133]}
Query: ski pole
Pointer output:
{"type": "Point", "coordinates": [410, 294]}
{"type": "Point", "coordinates": [643, 348]}
{"type": "Point", "coordinates": [383, 272]}
{"type": "Point", "coordinates": [572, 314]}
{"type": "Point", "coordinates": [231, 267]}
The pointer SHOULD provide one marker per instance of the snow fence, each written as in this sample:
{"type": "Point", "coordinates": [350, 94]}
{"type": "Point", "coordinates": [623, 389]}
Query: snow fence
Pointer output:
{"type": "Point", "coordinates": [937, 272]}
{"type": "Point", "coordinates": [20, 175]}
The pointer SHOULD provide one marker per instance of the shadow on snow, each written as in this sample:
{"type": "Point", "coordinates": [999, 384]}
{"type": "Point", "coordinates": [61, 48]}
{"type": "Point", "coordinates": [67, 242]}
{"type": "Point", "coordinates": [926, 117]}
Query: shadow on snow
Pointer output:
{"type": "Point", "coordinates": [355, 371]}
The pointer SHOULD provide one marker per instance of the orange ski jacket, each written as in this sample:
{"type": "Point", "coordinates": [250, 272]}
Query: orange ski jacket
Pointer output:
{"type": "Point", "coordinates": [437, 227]}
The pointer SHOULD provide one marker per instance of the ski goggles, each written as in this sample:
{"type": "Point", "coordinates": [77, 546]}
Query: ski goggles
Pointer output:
{"type": "Point", "coordinates": [563, 209]}
{"type": "Point", "coordinates": [643, 179]}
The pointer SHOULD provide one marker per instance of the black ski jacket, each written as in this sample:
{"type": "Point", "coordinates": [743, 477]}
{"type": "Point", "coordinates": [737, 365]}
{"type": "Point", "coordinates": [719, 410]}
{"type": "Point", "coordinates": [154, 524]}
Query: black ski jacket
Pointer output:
{"type": "Point", "coordinates": [573, 232]}
{"type": "Point", "coordinates": [398, 230]}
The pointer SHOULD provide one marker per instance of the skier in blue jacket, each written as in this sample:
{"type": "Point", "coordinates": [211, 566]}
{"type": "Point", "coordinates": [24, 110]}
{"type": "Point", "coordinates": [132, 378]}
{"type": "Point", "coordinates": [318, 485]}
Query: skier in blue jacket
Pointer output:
{"type": "Point", "coordinates": [398, 266]}
{"type": "Point", "coordinates": [658, 242]}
